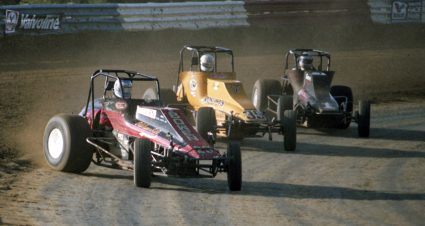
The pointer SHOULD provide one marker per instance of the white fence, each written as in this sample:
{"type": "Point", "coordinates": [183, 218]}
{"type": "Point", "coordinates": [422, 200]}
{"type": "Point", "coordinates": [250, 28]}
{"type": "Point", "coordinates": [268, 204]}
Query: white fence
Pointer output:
{"type": "Point", "coordinates": [130, 17]}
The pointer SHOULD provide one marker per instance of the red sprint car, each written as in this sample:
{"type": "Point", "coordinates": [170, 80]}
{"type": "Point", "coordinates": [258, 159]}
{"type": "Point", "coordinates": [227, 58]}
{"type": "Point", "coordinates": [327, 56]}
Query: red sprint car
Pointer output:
{"type": "Point", "coordinates": [118, 129]}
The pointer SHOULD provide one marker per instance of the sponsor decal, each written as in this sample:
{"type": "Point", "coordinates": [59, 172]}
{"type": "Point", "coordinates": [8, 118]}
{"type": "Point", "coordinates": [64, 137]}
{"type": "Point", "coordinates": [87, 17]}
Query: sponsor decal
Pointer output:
{"type": "Point", "coordinates": [193, 84]}
{"type": "Point", "coordinates": [406, 11]}
{"type": "Point", "coordinates": [120, 105]}
{"type": "Point", "coordinates": [210, 100]}
{"type": "Point", "coordinates": [12, 18]}
{"type": "Point", "coordinates": [23, 21]}
{"type": "Point", "coordinates": [148, 128]}
{"type": "Point", "coordinates": [182, 126]}
{"type": "Point", "coordinates": [302, 94]}
{"type": "Point", "coordinates": [151, 113]}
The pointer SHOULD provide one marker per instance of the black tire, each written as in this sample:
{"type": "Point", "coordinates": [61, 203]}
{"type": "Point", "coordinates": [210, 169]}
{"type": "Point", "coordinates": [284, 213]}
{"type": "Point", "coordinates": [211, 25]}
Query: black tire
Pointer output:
{"type": "Point", "coordinates": [142, 163]}
{"type": "Point", "coordinates": [206, 122]}
{"type": "Point", "coordinates": [64, 143]}
{"type": "Point", "coordinates": [261, 89]}
{"type": "Point", "coordinates": [284, 103]}
{"type": "Point", "coordinates": [364, 119]}
{"type": "Point", "coordinates": [234, 166]}
{"type": "Point", "coordinates": [289, 124]}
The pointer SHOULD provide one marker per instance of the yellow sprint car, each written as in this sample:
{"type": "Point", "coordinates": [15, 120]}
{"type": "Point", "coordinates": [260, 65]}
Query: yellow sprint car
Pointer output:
{"type": "Point", "coordinates": [207, 87]}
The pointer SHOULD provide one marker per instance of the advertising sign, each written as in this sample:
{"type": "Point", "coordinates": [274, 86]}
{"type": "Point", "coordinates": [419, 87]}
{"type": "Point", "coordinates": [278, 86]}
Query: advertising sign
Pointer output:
{"type": "Point", "coordinates": [21, 22]}
{"type": "Point", "coordinates": [406, 11]}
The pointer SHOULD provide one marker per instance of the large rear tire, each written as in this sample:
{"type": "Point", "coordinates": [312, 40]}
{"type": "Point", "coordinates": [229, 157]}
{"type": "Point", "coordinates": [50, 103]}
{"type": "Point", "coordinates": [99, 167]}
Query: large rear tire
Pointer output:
{"type": "Point", "coordinates": [364, 119]}
{"type": "Point", "coordinates": [206, 122]}
{"type": "Point", "coordinates": [289, 124]}
{"type": "Point", "coordinates": [142, 163]}
{"type": "Point", "coordinates": [262, 88]}
{"type": "Point", "coordinates": [234, 164]}
{"type": "Point", "coordinates": [65, 146]}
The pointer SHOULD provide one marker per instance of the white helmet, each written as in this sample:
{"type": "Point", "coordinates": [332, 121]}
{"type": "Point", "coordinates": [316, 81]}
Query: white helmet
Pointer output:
{"type": "Point", "coordinates": [126, 86]}
{"type": "Point", "coordinates": [305, 62]}
{"type": "Point", "coordinates": [207, 63]}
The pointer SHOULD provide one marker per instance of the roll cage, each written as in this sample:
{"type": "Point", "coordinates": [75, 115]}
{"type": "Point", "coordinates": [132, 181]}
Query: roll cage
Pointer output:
{"type": "Point", "coordinates": [110, 77]}
{"type": "Point", "coordinates": [296, 53]}
{"type": "Point", "coordinates": [197, 51]}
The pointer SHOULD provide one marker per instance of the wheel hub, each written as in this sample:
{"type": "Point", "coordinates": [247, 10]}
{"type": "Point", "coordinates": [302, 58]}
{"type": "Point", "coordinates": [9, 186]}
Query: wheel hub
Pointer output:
{"type": "Point", "coordinates": [55, 143]}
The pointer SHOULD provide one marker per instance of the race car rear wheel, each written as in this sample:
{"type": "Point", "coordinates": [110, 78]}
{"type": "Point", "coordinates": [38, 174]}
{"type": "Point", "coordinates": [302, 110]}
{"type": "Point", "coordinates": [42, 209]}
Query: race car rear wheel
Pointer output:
{"type": "Point", "coordinates": [289, 125]}
{"type": "Point", "coordinates": [142, 163]}
{"type": "Point", "coordinates": [262, 88]}
{"type": "Point", "coordinates": [206, 122]}
{"type": "Point", "coordinates": [234, 164]}
{"type": "Point", "coordinates": [64, 143]}
{"type": "Point", "coordinates": [343, 91]}
{"type": "Point", "coordinates": [364, 119]}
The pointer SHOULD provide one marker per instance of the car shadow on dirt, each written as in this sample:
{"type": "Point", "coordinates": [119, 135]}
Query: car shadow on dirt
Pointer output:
{"type": "Point", "coordinates": [107, 176]}
{"type": "Point", "coordinates": [328, 150]}
{"type": "Point", "coordinates": [269, 189]}
{"type": "Point", "coordinates": [266, 189]}
{"type": "Point", "coordinates": [377, 133]}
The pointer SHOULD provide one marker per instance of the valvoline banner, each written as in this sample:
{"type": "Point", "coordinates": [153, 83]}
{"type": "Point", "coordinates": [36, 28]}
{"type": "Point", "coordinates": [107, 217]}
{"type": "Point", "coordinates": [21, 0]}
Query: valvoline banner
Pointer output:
{"type": "Point", "coordinates": [18, 22]}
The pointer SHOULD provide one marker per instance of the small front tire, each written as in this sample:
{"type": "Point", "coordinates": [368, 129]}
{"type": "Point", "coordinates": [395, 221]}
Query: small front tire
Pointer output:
{"type": "Point", "coordinates": [234, 164]}
{"type": "Point", "coordinates": [142, 163]}
{"type": "Point", "coordinates": [289, 124]}
{"type": "Point", "coordinates": [364, 119]}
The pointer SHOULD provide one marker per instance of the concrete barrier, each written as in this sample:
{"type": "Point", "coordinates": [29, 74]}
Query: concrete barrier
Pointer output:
{"type": "Point", "coordinates": [35, 19]}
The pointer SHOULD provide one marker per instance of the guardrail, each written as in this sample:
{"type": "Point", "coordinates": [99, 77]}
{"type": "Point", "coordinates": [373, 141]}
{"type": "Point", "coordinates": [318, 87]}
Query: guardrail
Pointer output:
{"type": "Point", "coordinates": [129, 17]}
{"type": "Point", "coordinates": [397, 11]}
{"type": "Point", "coordinates": [305, 12]}
{"type": "Point", "coordinates": [73, 18]}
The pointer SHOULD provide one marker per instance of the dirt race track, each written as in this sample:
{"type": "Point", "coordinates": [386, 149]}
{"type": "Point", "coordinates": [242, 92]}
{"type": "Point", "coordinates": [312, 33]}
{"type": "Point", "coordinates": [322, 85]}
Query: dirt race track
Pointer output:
{"type": "Point", "coordinates": [332, 178]}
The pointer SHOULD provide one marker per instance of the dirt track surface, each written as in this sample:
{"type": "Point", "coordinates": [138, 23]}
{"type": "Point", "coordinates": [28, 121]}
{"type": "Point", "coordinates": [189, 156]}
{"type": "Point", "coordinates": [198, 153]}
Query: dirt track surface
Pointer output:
{"type": "Point", "coordinates": [332, 178]}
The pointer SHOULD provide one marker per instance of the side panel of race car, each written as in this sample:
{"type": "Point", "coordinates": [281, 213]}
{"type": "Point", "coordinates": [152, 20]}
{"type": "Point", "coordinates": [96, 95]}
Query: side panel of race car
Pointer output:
{"type": "Point", "coordinates": [157, 124]}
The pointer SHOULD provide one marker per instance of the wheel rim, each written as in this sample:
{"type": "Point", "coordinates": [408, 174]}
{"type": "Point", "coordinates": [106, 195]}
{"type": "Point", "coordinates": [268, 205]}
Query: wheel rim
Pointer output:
{"type": "Point", "coordinates": [55, 143]}
{"type": "Point", "coordinates": [255, 98]}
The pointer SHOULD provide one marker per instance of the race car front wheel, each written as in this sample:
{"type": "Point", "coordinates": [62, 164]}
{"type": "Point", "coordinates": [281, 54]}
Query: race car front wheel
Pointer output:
{"type": "Point", "coordinates": [364, 119]}
{"type": "Point", "coordinates": [142, 163]}
{"type": "Point", "coordinates": [289, 124]}
{"type": "Point", "coordinates": [64, 143]}
{"type": "Point", "coordinates": [234, 164]}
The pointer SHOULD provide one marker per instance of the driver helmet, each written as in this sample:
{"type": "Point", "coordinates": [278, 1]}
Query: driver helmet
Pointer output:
{"type": "Point", "coordinates": [125, 93]}
{"type": "Point", "coordinates": [207, 62]}
{"type": "Point", "coordinates": [305, 62]}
